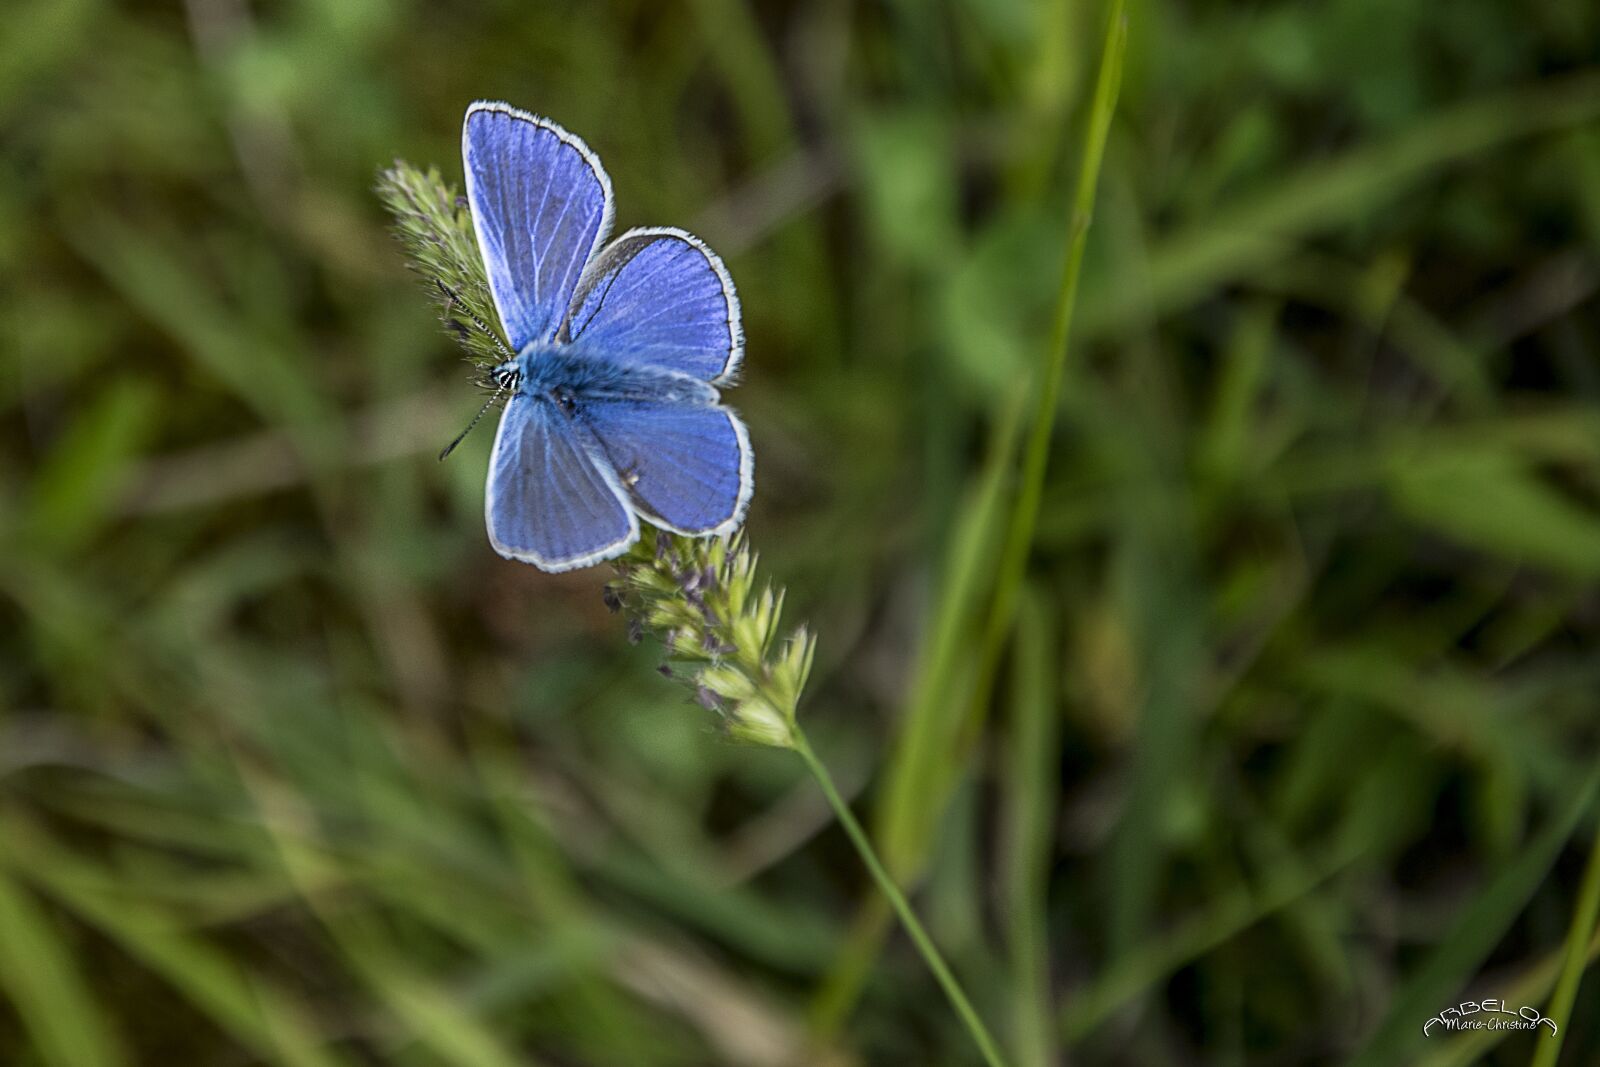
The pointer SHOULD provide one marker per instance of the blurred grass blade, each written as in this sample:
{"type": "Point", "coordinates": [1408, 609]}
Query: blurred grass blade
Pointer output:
{"type": "Point", "coordinates": [906, 814]}
{"type": "Point", "coordinates": [433, 1016]}
{"type": "Point", "coordinates": [1459, 363]}
{"type": "Point", "coordinates": [1472, 1046]}
{"type": "Point", "coordinates": [1471, 938]}
{"type": "Point", "coordinates": [1263, 228]}
{"type": "Point", "coordinates": [40, 34]}
{"type": "Point", "coordinates": [79, 483]}
{"type": "Point", "coordinates": [1223, 453]}
{"type": "Point", "coordinates": [1047, 386]}
{"type": "Point", "coordinates": [45, 988]}
{"type": "Point", "coordinates": [1579, 938]}
{"type": "Point", "coordinates": [1159, 599]}
{"type": "Point", "coordinates": [257, 1016]}
{"type": "Point", "coordinates": [908, 811]}
{"type": "Point", "coordinates": [158, 271]}
{"type": "Point", "coordinates": [1159, 956]}
{"type": "Point", "coordinates": [1483, 497]}
{"type": "Point", "coordinates": [940, 714]}
{"type": "Point", "coordinates": [734, 39]}
{"type": "Point", "coordinates": [1031, 785]}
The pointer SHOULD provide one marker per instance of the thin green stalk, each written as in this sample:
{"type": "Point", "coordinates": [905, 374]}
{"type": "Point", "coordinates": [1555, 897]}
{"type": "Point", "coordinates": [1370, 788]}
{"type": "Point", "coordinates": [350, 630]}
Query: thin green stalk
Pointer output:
{"type": "Point", "coordinates": [1025, 512]}
{"type": "Point", "coordinates": [1473, 1046]}
{"type": "Point", "coordinates": [928, 770]}
{"type": "Point", "coordinates": [919, 936]}
{"type": "Point", "coordinates": [932, 717]}
{"type": "Point", "coordinates": [1577, 959]}
{"type": "Point", "coordinates": [1031, 794]}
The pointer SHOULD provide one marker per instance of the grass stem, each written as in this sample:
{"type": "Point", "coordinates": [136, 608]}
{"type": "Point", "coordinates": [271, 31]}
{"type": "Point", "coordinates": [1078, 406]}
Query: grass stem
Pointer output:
{"type": "Point", "coordinates": [1575, 962]}
{"type": "Point", "coordinates": [930, 952]}
{"type": "Point", "coordinates": [1035, 460]}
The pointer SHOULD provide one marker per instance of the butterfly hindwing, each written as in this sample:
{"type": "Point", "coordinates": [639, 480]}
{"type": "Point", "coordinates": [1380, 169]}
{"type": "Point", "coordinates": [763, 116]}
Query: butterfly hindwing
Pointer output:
{"type": "Point", "coordinates": [660, 297]}
{"type": "Point", "coordinates": [541, 204]}
{"type": "Point", "coordinates": [686, 467]}
{"type": "Point", "coordinates": [552, 500]}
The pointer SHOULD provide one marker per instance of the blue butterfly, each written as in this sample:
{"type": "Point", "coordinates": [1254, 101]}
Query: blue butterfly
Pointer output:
{"type": "Point", "coordinates": [614, 413]}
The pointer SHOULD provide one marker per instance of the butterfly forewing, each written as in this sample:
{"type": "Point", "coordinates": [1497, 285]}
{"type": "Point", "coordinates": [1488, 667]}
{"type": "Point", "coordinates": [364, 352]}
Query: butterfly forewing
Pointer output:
{"type": "Point", "coordinates": [541, 204]}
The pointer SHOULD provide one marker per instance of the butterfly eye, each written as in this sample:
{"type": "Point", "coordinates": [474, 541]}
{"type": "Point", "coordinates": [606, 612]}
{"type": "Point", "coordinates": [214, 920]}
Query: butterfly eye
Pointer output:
{"type": "Point", "coordinates": [507, 377]}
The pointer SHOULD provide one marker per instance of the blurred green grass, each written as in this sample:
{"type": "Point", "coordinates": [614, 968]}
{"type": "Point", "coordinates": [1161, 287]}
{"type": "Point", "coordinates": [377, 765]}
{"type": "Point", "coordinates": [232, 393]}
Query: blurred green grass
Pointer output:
{"type": "Point", "coordinates": [1293, 741]}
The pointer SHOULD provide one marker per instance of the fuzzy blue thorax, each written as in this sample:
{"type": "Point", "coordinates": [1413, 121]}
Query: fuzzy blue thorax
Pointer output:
{"type": "Point", "coordinates": [567, 373]}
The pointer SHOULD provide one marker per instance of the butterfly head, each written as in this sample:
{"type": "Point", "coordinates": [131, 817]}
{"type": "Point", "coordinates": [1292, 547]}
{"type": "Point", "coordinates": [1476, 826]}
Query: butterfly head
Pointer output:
{"type": "Point", "coordinates": [507, 376]}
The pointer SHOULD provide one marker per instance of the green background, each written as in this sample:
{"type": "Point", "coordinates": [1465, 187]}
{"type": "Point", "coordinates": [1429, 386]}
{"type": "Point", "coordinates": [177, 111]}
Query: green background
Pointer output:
{"type": "Point", "coordinates": [1291, 740]}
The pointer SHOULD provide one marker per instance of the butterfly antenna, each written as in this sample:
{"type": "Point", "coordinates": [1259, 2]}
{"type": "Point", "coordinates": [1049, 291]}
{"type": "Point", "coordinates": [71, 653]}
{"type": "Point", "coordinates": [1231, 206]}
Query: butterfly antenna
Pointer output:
{"type": "Point", "coordinates": [462, 436]}
{"type": "Point", "coordinates": [453, 300]}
